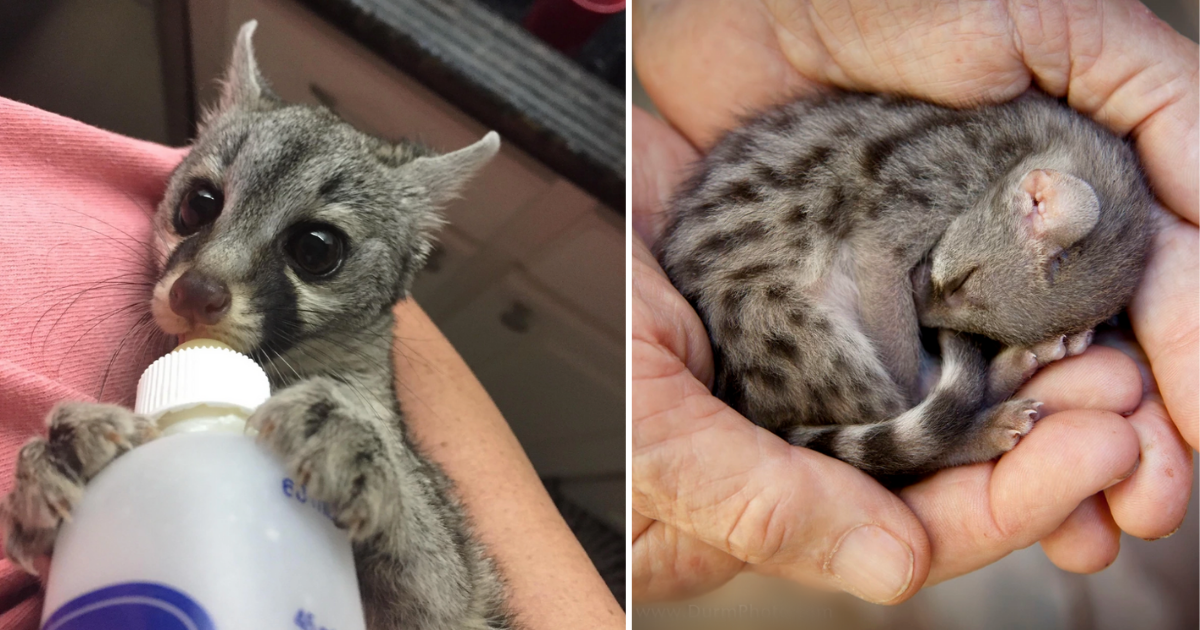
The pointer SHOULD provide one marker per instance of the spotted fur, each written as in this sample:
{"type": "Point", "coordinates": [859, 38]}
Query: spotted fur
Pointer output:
{"type": "Point", "coordinates": [816, 241]}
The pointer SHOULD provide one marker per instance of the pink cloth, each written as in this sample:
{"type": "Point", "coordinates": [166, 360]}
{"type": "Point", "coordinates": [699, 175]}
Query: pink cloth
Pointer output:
{"type": "Point", "coordinates": [75, 209]}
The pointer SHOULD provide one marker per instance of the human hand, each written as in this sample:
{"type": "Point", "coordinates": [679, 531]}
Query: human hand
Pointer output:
{"type": "Point", "coordinates": [707, 62]}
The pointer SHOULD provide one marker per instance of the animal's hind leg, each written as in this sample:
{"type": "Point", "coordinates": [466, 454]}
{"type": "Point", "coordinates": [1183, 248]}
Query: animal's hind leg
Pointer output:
{"type": "Point", "coordinates": [951, 426]}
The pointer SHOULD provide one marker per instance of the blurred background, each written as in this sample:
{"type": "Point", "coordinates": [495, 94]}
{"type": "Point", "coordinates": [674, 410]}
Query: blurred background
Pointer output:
{"type": "Point", "coordinates": [529, 279]}
{"type": "Point", "coordinates": [1153, 585]}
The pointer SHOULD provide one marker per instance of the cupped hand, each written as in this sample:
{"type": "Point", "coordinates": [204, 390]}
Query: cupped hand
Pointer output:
{"type": "Point", "coordinates": [707, 62]}
{"type": "Point", "coordinates": [712, 492]}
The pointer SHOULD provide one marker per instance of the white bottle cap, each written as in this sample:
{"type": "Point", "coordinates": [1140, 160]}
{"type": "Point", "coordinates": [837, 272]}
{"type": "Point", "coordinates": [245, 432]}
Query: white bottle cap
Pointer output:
{"type": "Point", "coordinates": [201, 372]}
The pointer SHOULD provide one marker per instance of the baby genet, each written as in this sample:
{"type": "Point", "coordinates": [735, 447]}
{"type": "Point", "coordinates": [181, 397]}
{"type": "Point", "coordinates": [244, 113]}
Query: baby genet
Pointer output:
{"type": "Point", "coordinates": [820, 238]}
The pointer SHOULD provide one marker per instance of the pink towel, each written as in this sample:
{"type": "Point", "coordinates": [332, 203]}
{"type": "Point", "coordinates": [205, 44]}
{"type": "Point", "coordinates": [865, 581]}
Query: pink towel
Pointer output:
{"type": "Point", "coordinates": [75, 209]}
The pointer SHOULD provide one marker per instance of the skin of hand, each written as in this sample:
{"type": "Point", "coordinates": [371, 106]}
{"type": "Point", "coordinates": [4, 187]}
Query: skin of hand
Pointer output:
{"type": "Point", "coordinates": [551, 582]}
{"type": "Point", "coordinates": [699, 517]}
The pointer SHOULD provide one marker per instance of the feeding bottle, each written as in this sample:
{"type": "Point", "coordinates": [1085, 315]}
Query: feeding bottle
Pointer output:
{"type": "Point", "coordinates": [201, 529]}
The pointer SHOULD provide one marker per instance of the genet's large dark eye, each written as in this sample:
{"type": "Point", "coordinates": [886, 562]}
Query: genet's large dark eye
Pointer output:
{"type": "Point", "coordinates": [316, 249]}
{"type": "Point", "coordinates": [200, 206]}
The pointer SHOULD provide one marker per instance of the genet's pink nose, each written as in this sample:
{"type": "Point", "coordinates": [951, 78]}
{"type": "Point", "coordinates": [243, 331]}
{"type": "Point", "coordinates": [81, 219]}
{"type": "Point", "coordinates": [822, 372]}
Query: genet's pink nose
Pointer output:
{"type": "Point", "coordinates": [200, 299]}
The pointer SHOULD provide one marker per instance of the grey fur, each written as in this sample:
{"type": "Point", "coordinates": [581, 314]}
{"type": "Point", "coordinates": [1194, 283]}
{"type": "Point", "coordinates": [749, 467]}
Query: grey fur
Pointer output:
{"type": "Point", "coordinates": [326, 343]}
{"type": "Point", "coordinates": [816, 240]}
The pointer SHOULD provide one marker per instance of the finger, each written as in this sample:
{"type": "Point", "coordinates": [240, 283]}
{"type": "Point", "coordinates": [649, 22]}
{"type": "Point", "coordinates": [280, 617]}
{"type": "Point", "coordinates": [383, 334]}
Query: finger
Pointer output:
{"type": "Point", "coordinates": [661, 314]}
{"type": "Point", "coordinates": [1153, 501]}
{"type": "Point", "coordinates": [662, 161]}
{"type": "Point", "coordinates": [670, 565]}
{"type": "Point", "coordinates": [1088, 541]}
{"type": "Point", "coordinates": [1123, 340]}
{"type": "Point", "coordinates": [703, 469]}
{"type": "Point", "coordinates": [1165, 318]}
{"type": "Point", "coordinates": [707, 62]}
{"type": "Point", "coordinates": [953, 53]}
{"type": "Point", "coordinates": [1100, 378]}
{"type": "Point", "coordinates": [978, 514]}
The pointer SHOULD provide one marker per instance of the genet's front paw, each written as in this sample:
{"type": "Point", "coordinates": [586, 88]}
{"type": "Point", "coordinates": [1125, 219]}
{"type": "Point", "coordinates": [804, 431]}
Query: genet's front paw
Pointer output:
{"type": "Point", "coordinates": [1061, 347]}
{"type": "Point", "coordinates": [51, 472]}
{"type": "Point", "coordinates": [329, 447]}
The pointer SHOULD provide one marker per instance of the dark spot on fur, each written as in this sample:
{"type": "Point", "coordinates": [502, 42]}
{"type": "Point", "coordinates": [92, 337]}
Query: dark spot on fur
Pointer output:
{"type": "Point", "coordinates": [820, 441]}
{"type": "Point", "coordinates": [973, 139]}
{"type": "Point", "coordinates": [798, 214]}
{"type": "Point", "coordinates": [749, 232]}
{"type": "Point", "coordinates": [733, 298]}
{"type": "Point", "coordinates": [770, 176]}
{"type": "Point", "coordinates": [878, 444]}
{"type": "Point", "coordinates": [718, 243]}
{"type": "Point", "coordinates": [876, 153]}
{"type": "Point", "coordinates": [316, 416]}
{"type": "Point", "coordinates": [781, 346]}
{"type": "Point", "coordinates": [879, 150]}
{"type": "Point", "coordinates": [750, 272]}
{"type": "Point", "coordinates": [1010, 150]}
{"type": "Point", "coordinates": [736, 146]}
{"type": "Point", "coordinates": [729, 327]}
{"type": "Point", "coordinates": [742, 192]}
{"type": "Point", "coordinates": [845, 130]}
{"type": "Point", "coordinates": [330, 186]}
{"type": "Point", "coordinates": [769, 376]}
{"type": "Point", "coordinates": [780, 120]}
{"type": "Point", "coordinates": [798, 317]}
{"type": "Point", "coordinates": [707, 209]}
{"type": "Point", "coordinates": [819, 397]}
{"type": "Point", "coordinates": [723, 243]}
{"type": "Point", "coordinates": [777, 293]}
{"type": "Point", "coordinates": [800, 170]}
{"type": "Point", "coordinates": [922, 198]}
{"type": "Point", "coordinates": [230, 150]}
{"type": "Point", "coordinates": [837, 219]}
{"type": "Point", "coordinates": [686, 272]}
{"type": "Point", "coordinates": [61, 451]}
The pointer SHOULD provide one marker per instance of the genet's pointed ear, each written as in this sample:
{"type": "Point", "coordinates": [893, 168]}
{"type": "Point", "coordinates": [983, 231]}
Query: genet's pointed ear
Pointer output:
{"type": "Point", "coordinates": [444, 176]}
{"type": "Point", "coordinates": [243, 87]}
{"type": "Point", "coordinates": [1058, 207]}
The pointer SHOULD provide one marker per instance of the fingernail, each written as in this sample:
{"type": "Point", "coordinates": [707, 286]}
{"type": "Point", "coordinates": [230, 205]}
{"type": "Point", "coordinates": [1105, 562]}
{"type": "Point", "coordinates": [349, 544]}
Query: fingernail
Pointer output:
{"type": "Point", "coordinates": [1166, 535]}
{"type": "Point", "coordinates": [1126, 475]}
{"type": "Point", "coordinates": [872, 564]}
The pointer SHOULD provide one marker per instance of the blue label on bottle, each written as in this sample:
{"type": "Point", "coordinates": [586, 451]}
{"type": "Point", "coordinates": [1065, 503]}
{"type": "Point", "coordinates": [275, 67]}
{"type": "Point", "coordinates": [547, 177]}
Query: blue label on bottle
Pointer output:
{"type": "Point", "coordinates": [131, 606]}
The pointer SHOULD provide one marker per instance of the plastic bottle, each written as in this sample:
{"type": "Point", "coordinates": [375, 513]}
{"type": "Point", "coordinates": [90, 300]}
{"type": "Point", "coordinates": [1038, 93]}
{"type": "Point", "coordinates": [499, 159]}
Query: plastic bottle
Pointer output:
{"type": "Point", "coordinates": [201, 529]}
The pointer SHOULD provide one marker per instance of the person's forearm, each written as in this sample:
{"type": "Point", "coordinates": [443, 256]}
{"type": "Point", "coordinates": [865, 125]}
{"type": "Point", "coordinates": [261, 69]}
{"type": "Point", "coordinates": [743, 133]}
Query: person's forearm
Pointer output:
{"type": "Point", "coordinates": [552, 584]}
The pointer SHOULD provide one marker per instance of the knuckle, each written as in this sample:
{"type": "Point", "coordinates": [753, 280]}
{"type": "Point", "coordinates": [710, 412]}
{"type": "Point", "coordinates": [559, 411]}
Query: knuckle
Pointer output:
{"type": "Point", "coordinates": [758, 531]}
